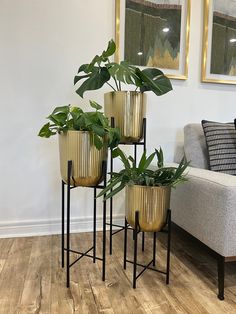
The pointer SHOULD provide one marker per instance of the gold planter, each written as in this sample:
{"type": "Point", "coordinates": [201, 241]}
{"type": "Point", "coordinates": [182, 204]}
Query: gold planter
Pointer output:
{"type": "Point", "coordinates": [128, 110]}
{"type": "Point", "coordinates": [86, 158]}
{"type": "Point", "coordinates": [152, 204]}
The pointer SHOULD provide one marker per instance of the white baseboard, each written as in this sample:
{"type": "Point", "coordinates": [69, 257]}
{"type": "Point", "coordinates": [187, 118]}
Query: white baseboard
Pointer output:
{"type": "Point", "coordinates": [28, 228]}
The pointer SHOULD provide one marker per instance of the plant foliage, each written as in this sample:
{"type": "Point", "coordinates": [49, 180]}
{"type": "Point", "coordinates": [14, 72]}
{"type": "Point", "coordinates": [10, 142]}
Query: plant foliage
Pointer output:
{"type": "Point", "coordinates": [66, 118]}
{"type": "Point", "coordinates": [100, 70]}
{"type": "Point", "coordinates": [142, 175]}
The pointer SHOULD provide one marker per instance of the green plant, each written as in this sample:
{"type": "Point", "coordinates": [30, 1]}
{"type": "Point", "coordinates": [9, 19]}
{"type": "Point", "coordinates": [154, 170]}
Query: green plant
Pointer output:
{"type": "Point", "coordinates": [142, 175]}
{"type": "Point", "coordinates": [67, 118]}
{"type": "Point", "coordinates": [100, 70]}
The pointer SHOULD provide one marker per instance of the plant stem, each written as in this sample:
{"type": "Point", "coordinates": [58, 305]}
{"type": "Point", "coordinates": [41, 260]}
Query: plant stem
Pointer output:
{"type": "Point", "coordinates": [111, 86]}
{"type": "Point", "coordinates": [119, 85]}
{"type": "Point", "coordinates": [117, 88]}
{"type": "Point", "coordinates": [116, 83]}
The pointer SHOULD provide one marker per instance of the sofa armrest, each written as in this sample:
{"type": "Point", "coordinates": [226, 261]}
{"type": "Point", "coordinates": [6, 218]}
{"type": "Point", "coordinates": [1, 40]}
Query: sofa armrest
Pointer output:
{"type": "Point", "coordinates": [205, 206]}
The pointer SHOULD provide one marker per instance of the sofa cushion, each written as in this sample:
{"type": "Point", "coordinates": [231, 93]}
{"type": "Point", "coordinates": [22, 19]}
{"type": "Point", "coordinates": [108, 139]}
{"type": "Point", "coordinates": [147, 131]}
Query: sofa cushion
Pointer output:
{"type": "Point", "coordinates": [195, 148]}
{"type": "Point", "coordinates": [221, 146]}
{"type": "Point", "coordinates": [204, 206]}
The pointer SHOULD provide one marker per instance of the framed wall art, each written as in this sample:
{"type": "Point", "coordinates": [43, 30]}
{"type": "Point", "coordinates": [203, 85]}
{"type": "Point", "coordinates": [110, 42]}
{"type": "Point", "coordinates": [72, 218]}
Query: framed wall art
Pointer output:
{"type": "Point", "coordinates": [154, 33]}
{"type": "Point", "coordinates": [219, 42]}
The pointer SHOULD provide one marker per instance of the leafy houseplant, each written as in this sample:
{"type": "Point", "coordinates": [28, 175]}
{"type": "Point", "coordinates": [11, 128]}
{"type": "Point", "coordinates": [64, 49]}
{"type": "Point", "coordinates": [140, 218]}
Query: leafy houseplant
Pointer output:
{"type": "Point", "coordinates": [121, 104]}
{"type": "Point", "coordinates": [83, 138]}
{"type": "Point", "coordinates": [66, 118]}
{"type": "Point", "coordinates": [100, 70]}
{"type": "Point", "coordinates": [147, 190]}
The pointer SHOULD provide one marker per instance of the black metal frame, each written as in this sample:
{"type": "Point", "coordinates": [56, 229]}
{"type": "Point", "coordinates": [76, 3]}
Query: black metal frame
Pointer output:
{"type": "Point", "coordinates": [67, 248]}
{"type": "Point", "coordinates": [110, 223]}
{"type": "Point", "coordinates": [136, 231]}
{"type": "Point", "coordinates": [221, 260]}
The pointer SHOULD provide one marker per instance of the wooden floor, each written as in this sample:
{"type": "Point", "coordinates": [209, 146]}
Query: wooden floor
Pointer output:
{"type": "Point", "coordinates": [31, 280]}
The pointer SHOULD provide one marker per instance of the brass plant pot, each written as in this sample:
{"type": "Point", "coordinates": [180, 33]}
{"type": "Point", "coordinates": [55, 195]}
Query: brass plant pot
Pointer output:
{"type": "Point", "coordinates": [152, 204]}
{"type": "Point", "coordinates": [128, 110]}
{"type": "Point", "coordinates": [86, 158]}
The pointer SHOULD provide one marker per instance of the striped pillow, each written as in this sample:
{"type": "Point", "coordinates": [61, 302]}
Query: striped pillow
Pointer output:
{"type": "Point", "coordinates": [221, 146]}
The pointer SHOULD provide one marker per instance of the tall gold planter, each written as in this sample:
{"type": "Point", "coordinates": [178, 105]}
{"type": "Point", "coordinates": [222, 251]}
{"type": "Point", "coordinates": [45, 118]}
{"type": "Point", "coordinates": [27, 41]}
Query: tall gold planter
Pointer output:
{"type": "Point", "coordinates": [152, 204]}
{"type": "Point", "coordinates": [128, 110]}
{"type": "Point", "coordinates": [86, 158]}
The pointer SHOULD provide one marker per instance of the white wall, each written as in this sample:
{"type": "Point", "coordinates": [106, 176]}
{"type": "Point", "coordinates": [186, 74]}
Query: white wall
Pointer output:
{"type": "Point", "coordinates": [42, 44]}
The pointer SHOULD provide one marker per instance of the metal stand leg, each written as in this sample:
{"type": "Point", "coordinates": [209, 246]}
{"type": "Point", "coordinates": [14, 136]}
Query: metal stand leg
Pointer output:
{"type": "Point", "coordinates": [168, 246]}
{"type": "Point", "coordinates": [111, 208]}
{"type": "Point", "coordinates": [152, 263]}
{"type": "Point", "coordinates": [154, 248]}
{"type": "Point", "coordinates": [143, 241]}
{"type": "Point", "coordinates": [125, 243]}
{"type": "Point", "coordinates": [111, 199]}
{"type": "Point", "coordinates": [104, 226]}
{"type": "Point", "coordinates": [135, 154]}
{"type": "Point", "coordinates": [144, 149]}
{"type": "Point", "coordinates": [87, 253]}
{"type": "Point", "coordinates": [69, 168]}
{"type": "Point", "coordinates": [135, 248]}
{"type": "Point", "coordinates": [94, 223]}
{"type": "Point", "coordinates": [221, 276]}
{"type": "Point", "coordinates": [111, 213]}
{"type": "Point", "coordinates": [62, 223]}
{"type": "Point", "coordinates": [143, 143]}
{"type": "Point", "coordinates": [104, 243]}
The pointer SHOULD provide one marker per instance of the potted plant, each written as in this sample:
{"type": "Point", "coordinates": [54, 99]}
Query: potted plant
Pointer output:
{"type": "Point", "coordinates": [83, 138]}
{"type": "Point", "coordinates": [146, 190]}
{"type": "Point", "coordinates": [127, 107]}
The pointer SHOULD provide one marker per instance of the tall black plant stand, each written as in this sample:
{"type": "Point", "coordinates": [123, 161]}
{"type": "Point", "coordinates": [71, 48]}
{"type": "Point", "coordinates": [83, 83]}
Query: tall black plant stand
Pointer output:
{"type": "Point", "coordinates": [136, 231]}
{"type": "Point", "coordinates": [135, 145]}
{"type": "Point", "coordinates": [68, 249]}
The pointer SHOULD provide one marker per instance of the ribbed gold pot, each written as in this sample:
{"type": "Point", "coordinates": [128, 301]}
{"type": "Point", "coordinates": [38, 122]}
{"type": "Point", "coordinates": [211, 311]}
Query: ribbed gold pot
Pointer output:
{"type": "Point", "coordinates": [152, 204]}
{"type": "Point", "coordinates": [128, 110]}
{"type": "Point", "coordinates": [86, 158]}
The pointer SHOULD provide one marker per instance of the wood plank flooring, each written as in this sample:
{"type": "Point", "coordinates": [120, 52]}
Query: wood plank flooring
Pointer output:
{"type": "Point", "coordinates": [32, 281]}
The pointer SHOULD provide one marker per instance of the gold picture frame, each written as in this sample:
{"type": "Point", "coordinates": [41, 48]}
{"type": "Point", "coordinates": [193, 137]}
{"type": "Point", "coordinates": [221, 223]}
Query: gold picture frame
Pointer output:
{"type": "Point", "coordinates": [210, 66]}
{"type": "Point", "coordinates": [180, 73]}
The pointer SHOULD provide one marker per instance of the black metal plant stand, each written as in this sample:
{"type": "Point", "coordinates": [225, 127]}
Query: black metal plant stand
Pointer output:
{"type": "Point", "coordinates": [67, 249]}
{"type": "Point", "coordinates": [135, 145]}
{"type": "Point", "coordinates": [136, 231]}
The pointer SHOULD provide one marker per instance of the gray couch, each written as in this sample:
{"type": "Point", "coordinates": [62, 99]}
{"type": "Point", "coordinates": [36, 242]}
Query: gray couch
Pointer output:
{"type": "Point", "coordinates": [205, 206]}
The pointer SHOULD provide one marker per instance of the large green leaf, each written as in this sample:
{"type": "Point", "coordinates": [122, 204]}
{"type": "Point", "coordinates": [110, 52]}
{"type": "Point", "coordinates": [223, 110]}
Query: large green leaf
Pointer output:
{"type": "Point", "coordinates": [98, 142]}
{"type": "Point", "coordinates": [61, 109]}
{"type": "Point", "coordinates": [123, 72]}
{"type": "Point", "coordinates": [95, 81]}
{"type": "Point", "coordinates": [77, 78]}
{"type": "Point", "coordinates": [154, 80]}
{"type": "Point", "coordinates": [99, 130]}
{"type": "Point", "coordinates": [95, 105]}
{"type": "Point", "coordinates": [145, 162]}
{"type": "Point", "coordinates": [118, 152]}
{"type": "Point", "coordinates": [160, 157]}
{"type": "Point", "coordinates": [59, 119]}
{"type": "Point", "coordinates": [45, 131]}
{"type": "Point", "coordinates": [111, 48]}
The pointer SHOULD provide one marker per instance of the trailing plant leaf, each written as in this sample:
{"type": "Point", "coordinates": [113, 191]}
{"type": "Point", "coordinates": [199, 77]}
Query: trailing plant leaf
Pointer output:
{"type": "Point", "coordinates": [46, 131]}
{"type": "Point", "coordinates": [95, 105]}
{"type": "Point", "coordinates": [66, 118]}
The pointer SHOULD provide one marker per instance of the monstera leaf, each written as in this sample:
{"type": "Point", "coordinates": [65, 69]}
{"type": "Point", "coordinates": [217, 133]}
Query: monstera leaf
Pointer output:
{"type": "Point", "coordinates": [154, 80]}
{"type": "Point", "coordinates": [123, 72]}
